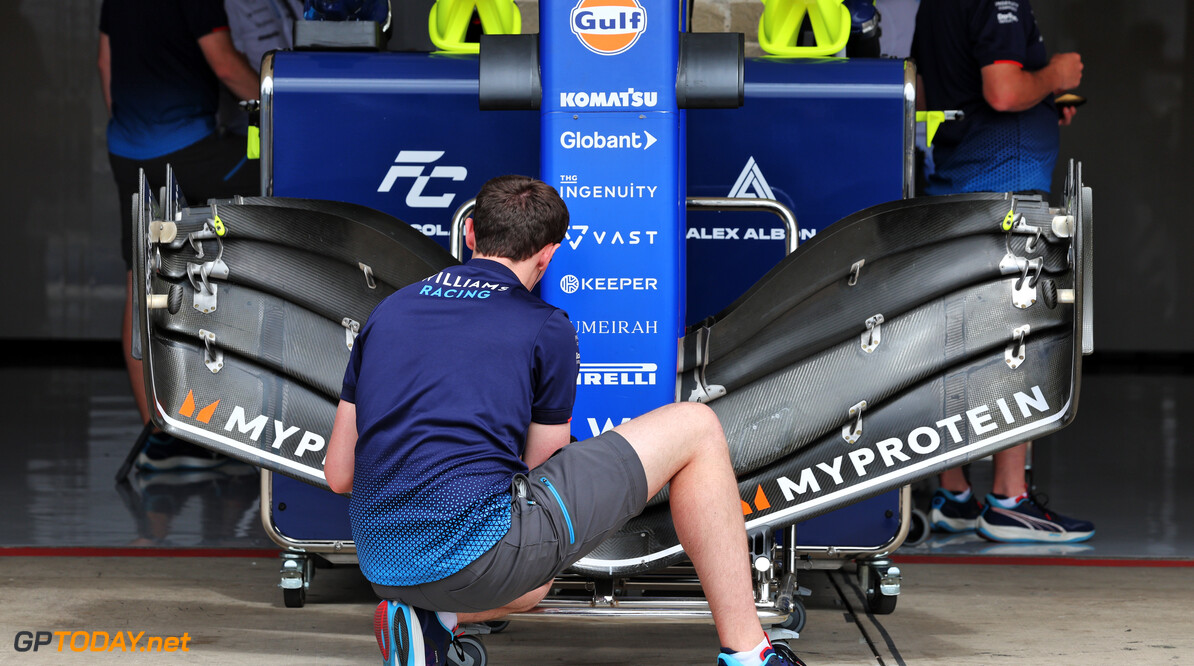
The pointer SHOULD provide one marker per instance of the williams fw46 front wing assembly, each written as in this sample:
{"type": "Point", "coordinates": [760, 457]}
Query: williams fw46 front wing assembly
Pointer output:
{"type": "Point", "coordinates": [905, 339]}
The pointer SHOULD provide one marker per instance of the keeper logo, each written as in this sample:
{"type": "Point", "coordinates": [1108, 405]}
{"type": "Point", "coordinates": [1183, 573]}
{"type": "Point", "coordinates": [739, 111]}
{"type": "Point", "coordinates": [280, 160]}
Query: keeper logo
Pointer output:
{"type": "Point", "coordinates": [411, 164]}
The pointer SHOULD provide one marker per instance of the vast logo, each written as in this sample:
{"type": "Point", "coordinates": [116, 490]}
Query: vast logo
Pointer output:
{"type": "Point", "coordinates": [617, 374]}
{"type": "Point", "coordinates": [280, 433]}
{"type": "Point", "coordinates": [570, 284]}
{"type": "Point", "coordinates": [576, 233]}
{"type": "Point", "coordinates": [410, 164]}
{"type": "Point", "coordinates": [608, 27]}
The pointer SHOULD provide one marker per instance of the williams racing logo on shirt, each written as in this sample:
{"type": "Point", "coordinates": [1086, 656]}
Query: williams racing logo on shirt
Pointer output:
{"type": "Point", "coordinates": [446, 285]}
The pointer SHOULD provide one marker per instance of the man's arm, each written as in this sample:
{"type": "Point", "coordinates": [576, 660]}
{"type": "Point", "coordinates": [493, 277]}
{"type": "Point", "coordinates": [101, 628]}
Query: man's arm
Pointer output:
{"type": "Point", "coordinates": [337, 467]}
{"type": "Point", "coordinates": [1007, 87]}
{"type": "Point", "coordinates": [544, 440]}
{"type": "Point", "coordinates": [104, 63]}
{"type": "Point", "coordinates": [230, 65]}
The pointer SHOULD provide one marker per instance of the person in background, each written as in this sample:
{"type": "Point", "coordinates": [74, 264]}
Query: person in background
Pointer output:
{"type": "Point", "coordinates": [988, 59]}
{"type": "Point", "coordinates": [161, 63]}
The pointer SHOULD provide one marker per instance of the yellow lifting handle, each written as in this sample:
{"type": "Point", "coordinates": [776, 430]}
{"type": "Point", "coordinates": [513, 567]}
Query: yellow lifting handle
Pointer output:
{"type": "Point", "coordinates": [779, 27]}
{"type": "Point", "coordinates": [449, 22]}
{"type": "Point", "coordinates": [933, 120]}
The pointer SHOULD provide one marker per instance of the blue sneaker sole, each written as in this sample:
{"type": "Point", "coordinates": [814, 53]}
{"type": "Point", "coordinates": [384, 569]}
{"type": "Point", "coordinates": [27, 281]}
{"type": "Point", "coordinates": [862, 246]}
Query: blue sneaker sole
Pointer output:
{"type": "Point", "coordinates": [398, 635]}
{"type": "Point", "coordinates": [1078, 537]}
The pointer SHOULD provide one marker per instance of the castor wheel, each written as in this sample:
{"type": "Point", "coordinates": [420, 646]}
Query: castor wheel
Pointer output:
{"type": "Point", "coordinates": [878, 602]}
{"type": "Point", "coordinates": [471, 653]}
{"type": "Point", "coordinates": [786, 652]}
{"type": "Point", "coordinates": [796, 618]}
{"type": "Point", "coordinates": [296, 598]}
{"type": "Point", "coordinates": [497, 626]}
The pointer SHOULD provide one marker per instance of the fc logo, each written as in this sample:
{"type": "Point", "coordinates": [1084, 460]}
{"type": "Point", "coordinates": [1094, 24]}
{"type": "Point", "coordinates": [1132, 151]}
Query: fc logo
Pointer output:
{"type": "Point", "coordinates": [608, 27]}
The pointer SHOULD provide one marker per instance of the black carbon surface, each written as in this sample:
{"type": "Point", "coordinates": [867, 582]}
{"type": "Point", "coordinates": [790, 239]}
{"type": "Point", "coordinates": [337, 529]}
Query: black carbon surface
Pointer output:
{"type": "Point", "coordinates": [890, 286]}
{"type": "Point", "coordinates": [388, 253]}
{"type": "Point", "coordinates": [276, 334]}
{"type": "Point", "coordinates": [779, 414]}
{"type": "Point", "coordinates": [331, 288]}
{"type": "Point", "coordinates": [261, 417]}
{"type": "Point", "coordinates": [807, 484]}
{"type": "Point", "coordinates": [869, 235]}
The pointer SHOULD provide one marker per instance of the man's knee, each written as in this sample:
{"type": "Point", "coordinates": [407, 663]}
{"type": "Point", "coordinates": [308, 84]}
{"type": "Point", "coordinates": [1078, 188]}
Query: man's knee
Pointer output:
{"type": "Point", "coordinates": [529, 600]}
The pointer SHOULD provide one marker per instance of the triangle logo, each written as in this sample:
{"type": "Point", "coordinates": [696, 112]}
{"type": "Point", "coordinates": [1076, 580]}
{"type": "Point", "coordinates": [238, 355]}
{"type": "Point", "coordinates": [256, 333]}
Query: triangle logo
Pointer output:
{"type": "Point", "coordinates": [751, 184]}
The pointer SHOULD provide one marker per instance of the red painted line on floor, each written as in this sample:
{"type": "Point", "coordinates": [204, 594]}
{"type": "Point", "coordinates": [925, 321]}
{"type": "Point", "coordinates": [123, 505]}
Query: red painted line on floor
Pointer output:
{"type": "Point", "coordinates": [1038, 561]}
{"type": "Point", "coordinates": [138, 552]}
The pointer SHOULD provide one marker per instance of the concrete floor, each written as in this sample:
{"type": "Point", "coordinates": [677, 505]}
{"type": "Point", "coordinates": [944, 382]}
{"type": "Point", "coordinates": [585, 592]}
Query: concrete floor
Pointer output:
{"type": "Point", "coordinates": [947, 614]}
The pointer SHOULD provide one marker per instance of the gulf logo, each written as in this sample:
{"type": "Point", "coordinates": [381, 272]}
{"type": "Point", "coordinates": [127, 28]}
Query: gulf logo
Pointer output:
{"type": "Point", "coordinates": [608, 27]}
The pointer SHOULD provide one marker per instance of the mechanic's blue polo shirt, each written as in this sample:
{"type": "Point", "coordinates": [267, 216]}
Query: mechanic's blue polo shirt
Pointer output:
{"type": "Point", "coordinates": [446, 376]}
{"type": "Point", "coordinates": [988, 151]}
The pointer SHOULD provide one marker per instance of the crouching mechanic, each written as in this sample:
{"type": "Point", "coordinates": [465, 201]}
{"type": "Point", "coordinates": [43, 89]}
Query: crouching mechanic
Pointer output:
{"type": "Point", "coordinates": [451, 434]}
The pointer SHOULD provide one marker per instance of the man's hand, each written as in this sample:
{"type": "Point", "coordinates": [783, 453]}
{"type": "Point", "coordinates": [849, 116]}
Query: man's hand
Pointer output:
{"type": "Point", "coordinates": [1067, 71]}
{"type": "Point", "coordinates": [1067, 115]}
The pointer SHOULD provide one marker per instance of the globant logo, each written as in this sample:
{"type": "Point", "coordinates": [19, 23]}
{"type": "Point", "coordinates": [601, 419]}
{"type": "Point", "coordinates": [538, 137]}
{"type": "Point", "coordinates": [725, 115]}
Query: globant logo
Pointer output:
{"type": "Point", "coordinates": [608, 27]}
{"type": "Point", "coordinates": [570, 284]}
{"type": "Point", "coordinates": [599, 141]}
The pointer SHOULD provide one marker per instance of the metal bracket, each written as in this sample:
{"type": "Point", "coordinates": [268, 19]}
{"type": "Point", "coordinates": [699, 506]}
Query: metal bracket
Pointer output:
{"type": "Point", "coordinates": [351, 328]}
{"type": "Point", "coordinates": [703, 392]}
{"type": "Point", "coordinates": [213, 357]}
{"type": "Point", "coordinates": [1024, 291]}
{"type": "Point", "coordinates": [851, 432]}
{"type": "Point", "coordinates": [369, 281]}
{"type": "Point", "coordinates": [1014, 354]}
{"type": "Point", "coordinates": [205, 290]}
{"type": "Point", "coordinates": [854, 272]}
{"type": "Point", "coordinates": [873, 335]}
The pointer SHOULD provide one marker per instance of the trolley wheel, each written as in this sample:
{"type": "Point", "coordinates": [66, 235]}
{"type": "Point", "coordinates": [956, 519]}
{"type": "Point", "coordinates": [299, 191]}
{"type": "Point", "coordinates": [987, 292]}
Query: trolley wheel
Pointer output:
{"type": "Point", "coordinates": [497, 626]}
{"type": "Point", "coordinates": [295, 598]}
{"type": "Point", "coordinates": [473, 650]}
{"type": "Point", "coordinates": [796, 618]}
{"type": "Point", "coordinates": [876, 601]}
{"type": "Point", "coordinates": [781, 648]}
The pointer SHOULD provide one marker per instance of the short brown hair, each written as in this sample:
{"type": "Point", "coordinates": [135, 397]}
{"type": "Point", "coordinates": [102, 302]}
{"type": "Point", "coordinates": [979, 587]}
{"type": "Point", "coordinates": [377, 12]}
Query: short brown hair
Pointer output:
{"type": "Point", "coordinates": [516, 216]}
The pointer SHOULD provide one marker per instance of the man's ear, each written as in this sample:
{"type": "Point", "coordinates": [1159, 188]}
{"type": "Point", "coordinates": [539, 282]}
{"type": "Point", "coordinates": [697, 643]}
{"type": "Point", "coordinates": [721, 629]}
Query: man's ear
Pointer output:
{"type": "Point", "coordinates": [470, 239]}
{"type": "Point", "coordinates": [545, 255]}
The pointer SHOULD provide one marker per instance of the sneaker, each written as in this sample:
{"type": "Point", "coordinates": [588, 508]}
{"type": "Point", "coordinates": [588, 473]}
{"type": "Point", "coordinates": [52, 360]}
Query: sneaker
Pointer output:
{"type": "Point", "coordinates": [1030, 521]}
{"type": "Point", "coordinates": [396, 627]}
{"type": "Point", "coordinates": [770, 656]}
{"type": "Point", "coordinates": [164, 453]}
{"type": "Point", "coordinates": [437, 639]}
{"type": "Point", "coordinates": [950, 515]}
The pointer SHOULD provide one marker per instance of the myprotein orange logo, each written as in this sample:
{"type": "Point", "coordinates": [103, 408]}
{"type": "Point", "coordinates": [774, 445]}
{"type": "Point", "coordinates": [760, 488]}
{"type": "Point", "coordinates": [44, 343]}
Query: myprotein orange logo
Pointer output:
{"type": "Point", "coordinates": [608, 27]}
{"type": "Point", "coordinates": [204, 415]}
{"type": "Point", "coordinates": [761, 503]}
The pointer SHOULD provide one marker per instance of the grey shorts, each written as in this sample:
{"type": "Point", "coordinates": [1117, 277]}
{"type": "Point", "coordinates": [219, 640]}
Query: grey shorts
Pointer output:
{"type": "Point", "coordinates": [559, 512]}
